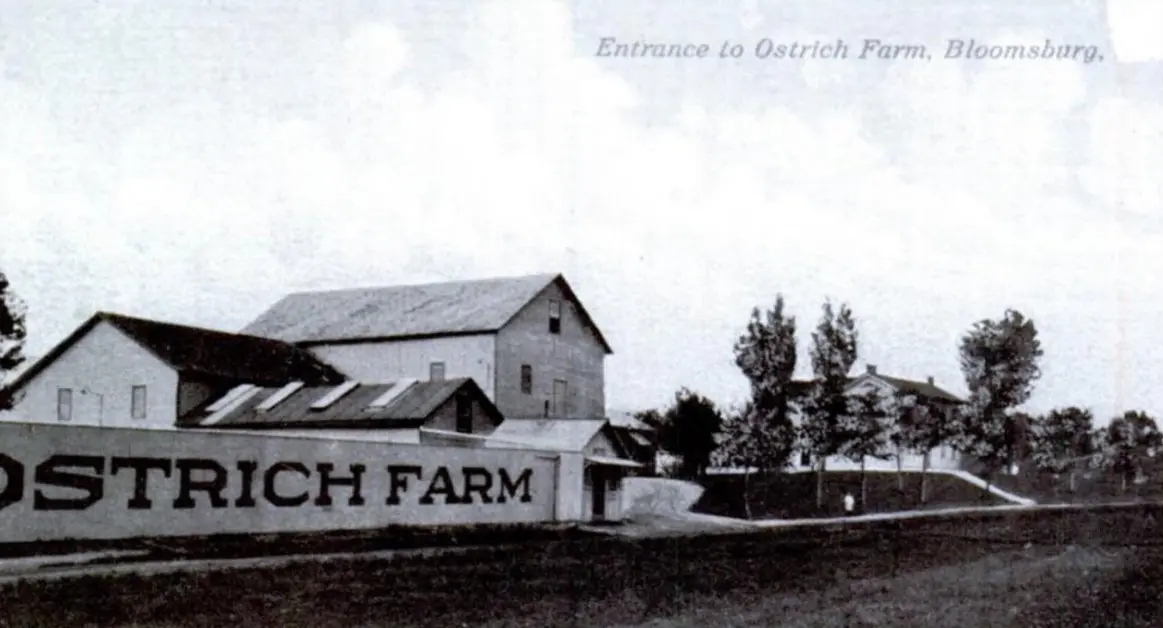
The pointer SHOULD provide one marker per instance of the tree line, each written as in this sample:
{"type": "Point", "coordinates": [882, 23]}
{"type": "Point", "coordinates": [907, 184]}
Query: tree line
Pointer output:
{"type": "Point", "coordinates": [1000, 361]}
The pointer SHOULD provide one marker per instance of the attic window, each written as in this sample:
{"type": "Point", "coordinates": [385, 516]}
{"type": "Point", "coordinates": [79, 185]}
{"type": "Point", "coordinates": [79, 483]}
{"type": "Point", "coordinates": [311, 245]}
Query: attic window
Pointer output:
{"type": "Point", "coordinates": [527, 379]}
{"type": "Point", "coordinates": [463, 414]}
{"type": "Point", "coordinates": [554, 316]}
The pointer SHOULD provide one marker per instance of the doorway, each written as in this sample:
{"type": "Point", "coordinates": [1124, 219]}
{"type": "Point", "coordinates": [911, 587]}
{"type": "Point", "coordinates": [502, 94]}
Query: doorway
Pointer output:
{"type": "Point", "coordinates": [599, 491]}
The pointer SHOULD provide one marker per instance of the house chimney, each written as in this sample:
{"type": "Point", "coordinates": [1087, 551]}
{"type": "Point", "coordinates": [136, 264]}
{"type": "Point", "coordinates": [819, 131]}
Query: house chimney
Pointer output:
{"type": "Point", "coordinates": [930, 380]}
{"type": "Point", "coordinates": [872, 369]}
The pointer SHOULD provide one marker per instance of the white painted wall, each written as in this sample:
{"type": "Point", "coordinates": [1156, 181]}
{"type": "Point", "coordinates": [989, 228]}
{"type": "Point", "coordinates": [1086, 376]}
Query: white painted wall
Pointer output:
{"type": "Point", "coordinates": [463, 356]}
{"type": "Point", "coordinates": [108, 364]}
{"type": "Point", "coordinates": [940, 458]}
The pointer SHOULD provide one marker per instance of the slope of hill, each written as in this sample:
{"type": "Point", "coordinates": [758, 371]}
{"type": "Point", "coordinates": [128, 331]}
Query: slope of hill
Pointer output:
{"type": "Point", "coordinates": [793, 495]}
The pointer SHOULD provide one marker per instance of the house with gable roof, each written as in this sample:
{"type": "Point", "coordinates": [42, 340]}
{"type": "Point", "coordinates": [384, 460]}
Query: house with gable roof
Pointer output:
{"type": "Point", "coordinates": [120, 371]}
{"type": "Point", "coordinates": [528, 341]}
{"type": "Point", "coordinates": [872, 381]}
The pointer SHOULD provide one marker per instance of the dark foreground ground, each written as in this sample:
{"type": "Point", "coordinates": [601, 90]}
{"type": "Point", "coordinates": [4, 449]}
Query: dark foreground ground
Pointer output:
{"type": "Point", "coordinates": [1066, 568]}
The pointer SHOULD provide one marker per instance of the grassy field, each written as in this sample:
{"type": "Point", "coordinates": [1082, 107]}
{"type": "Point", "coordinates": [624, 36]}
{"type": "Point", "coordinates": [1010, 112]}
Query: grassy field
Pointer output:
{"type": "Point", "coordinates": [250, 545]}
{"type": "Point", "coordinates": [851, 574]}
{"type": "Point", "coordinates": [1090, 486]}
{"type": "Point", "coordinates": [793, 495]}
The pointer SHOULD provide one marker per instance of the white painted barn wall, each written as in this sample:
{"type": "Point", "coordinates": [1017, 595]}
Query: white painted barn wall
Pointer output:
{"type": "Point", "coordinates": [385, 361]}
{"type": "Point", "coordinates": [108, 364]}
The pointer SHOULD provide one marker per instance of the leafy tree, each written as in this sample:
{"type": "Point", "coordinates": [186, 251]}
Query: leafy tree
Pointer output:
{"type": "Point", "coordinates": [688, 430]}
{"type": "Point", "coordinates": [761, 435]}
{"type": "Point", "coordinates": [1060, 438]}
{"type": "Point", "coordinates": [999, 359]}
{"type": "Point", "coordinates": [12, 336]}
{"type": "Point", "coordinates": [867, 430]}
{"type": "Point", "coordinates": [1129, 441]}
{"type": "Point", "coordinates": [923, 424]}
{"type": "Point", "coordinates": [833, 352]}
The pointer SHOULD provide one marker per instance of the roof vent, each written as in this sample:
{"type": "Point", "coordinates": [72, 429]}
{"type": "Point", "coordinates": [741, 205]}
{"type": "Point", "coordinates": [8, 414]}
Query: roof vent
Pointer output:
{"type": "Point", "coordinates": [392, 394]}
{"type": "Point", "coordinates": [279, 396]}
{"type": "Point", "coordinates": [872, 369]}
{"type": "Point", "coordinates": [333, 396]}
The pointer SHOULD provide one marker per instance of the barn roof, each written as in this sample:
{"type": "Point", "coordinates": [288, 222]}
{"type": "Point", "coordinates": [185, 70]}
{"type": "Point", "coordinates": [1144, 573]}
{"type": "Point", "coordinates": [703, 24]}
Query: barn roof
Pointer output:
{"type": "Point", "coordinates": [402, 404]}
{"type": "Point", "coordinates": [410, 311]}
{"type": "Point", "coordinates": [202, 352]}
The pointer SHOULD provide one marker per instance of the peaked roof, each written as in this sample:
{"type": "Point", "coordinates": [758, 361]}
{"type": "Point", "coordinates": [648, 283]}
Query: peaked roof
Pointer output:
{"type": "Point", "coordinates": [414, 405]}
{"type": "Point", "coordinates": [923, 389]}
{"type": "Point", "coordinates": [409, 311]}
{"type": "Point", "coordinates": [203, 352]}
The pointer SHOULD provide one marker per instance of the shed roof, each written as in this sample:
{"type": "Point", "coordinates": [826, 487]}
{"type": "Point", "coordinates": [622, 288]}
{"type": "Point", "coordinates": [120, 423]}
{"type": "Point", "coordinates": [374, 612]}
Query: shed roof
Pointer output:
{"type": "Point", "coordinates": [570, 435]}
{"type": "Point", "coordinates": [415, 404]}
{"type": "Point", "coordinates": [410, 311]}
{"type": "Point", "coordinates": [202, 352]}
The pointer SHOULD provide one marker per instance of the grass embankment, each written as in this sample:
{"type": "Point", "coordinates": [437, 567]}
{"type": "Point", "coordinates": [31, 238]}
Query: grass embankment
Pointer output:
{"type": "Point", "coordinates": [1091, 486]}
{"type": "Point", "coordinates": [793, 495]}
{"type": "Point", "coordinates": [586, 582]}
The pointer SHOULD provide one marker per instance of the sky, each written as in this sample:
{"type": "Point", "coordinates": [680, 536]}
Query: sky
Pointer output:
{"type": "Point", "coordinates": [192, 161]}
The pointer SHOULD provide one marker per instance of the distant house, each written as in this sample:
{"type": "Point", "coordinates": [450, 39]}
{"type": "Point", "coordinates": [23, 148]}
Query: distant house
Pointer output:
{"type": "Point", "coordinates": [638, 439]}
{"type": "Point", "coordinates": [385, 412]}
{"type": "Point", "coordinates": [528, 342]}
{"type": "Point", "coordinates": [120, 371]}
{"type": "Point", "coordinates": [871, 381]}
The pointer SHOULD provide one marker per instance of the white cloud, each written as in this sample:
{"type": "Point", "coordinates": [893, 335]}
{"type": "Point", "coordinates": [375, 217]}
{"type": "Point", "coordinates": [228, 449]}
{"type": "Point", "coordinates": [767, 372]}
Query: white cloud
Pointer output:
{"type": "Point", "coordinates": [530, 157]}
{"type": "Point", "coordinates": [1136, 28]}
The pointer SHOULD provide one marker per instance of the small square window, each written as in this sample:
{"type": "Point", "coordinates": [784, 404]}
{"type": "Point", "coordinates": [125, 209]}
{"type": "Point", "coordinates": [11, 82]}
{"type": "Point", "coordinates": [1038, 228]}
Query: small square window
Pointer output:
{"type": "Point", "coordinates": [137, 403]}
{"type": "Point", "coordinates": [526, 379]}
{"type": "Point", "coordinates": [436, 371]}
{"type": "Point", "coordinates": [64, 404]}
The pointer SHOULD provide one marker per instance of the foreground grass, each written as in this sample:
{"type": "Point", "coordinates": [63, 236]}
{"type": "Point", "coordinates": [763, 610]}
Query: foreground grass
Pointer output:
{"type": "Point", "coordinates": [889, 574]}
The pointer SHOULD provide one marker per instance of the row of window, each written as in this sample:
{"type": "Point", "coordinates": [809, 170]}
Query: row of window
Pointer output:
{"type": "Point", "coordinates": [137, 405]}
{"type": "Point", "coordinates": [554, 407]}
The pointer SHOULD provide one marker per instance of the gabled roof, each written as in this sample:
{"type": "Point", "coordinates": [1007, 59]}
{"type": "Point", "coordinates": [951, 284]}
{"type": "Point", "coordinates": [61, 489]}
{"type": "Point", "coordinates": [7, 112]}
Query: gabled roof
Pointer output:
{"type": "Point", "coordinates": [923, 389]}
{"type": "Point", "coordinates": [412, 311]}
{"type": "Point", "coordinates": [200, 352]}
{"type": "Point", "coordinates": [570, 435]}
{"type": "Point", "coordinates": [414, 405]}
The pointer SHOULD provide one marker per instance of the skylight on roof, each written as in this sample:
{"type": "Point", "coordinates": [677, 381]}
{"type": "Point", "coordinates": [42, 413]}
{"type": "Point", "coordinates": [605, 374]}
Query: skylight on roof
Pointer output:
{"type": "Point", "coordinates": [279, 396]}
{"type": "Point", "coordinates": [233, 404]}
{"type": "Point", "coordinates": [336, 393]}
{"type": "Point", "coordinates": [230, 396]}
{"type": "Point", "coordinates": [392, 394]}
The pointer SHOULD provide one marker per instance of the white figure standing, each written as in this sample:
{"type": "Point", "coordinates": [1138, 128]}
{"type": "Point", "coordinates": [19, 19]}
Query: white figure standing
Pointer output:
{"type": "Point", "coordinates": [849, 503]}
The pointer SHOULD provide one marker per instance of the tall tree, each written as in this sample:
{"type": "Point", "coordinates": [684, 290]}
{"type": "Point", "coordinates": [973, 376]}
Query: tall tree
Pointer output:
{"type": "Point", "coordinates": [999, 359]}
{"type": "Point", "coordinates": [833, 353]}
{"type": "Point", "coordinates": [1060, 438]}
{"type": "Point", "coordinates": [689, 430]}
{"type": "Point", "coordinates": [761, 436]}
{"type": "Point", "coordinates": [867, 428]}
{"type": "Point", "coordinates": [12, 336]}
{"type": "Point", "coordinates": [924, 424]}
{"type": "Point", "coordinates": [1129, 441]}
